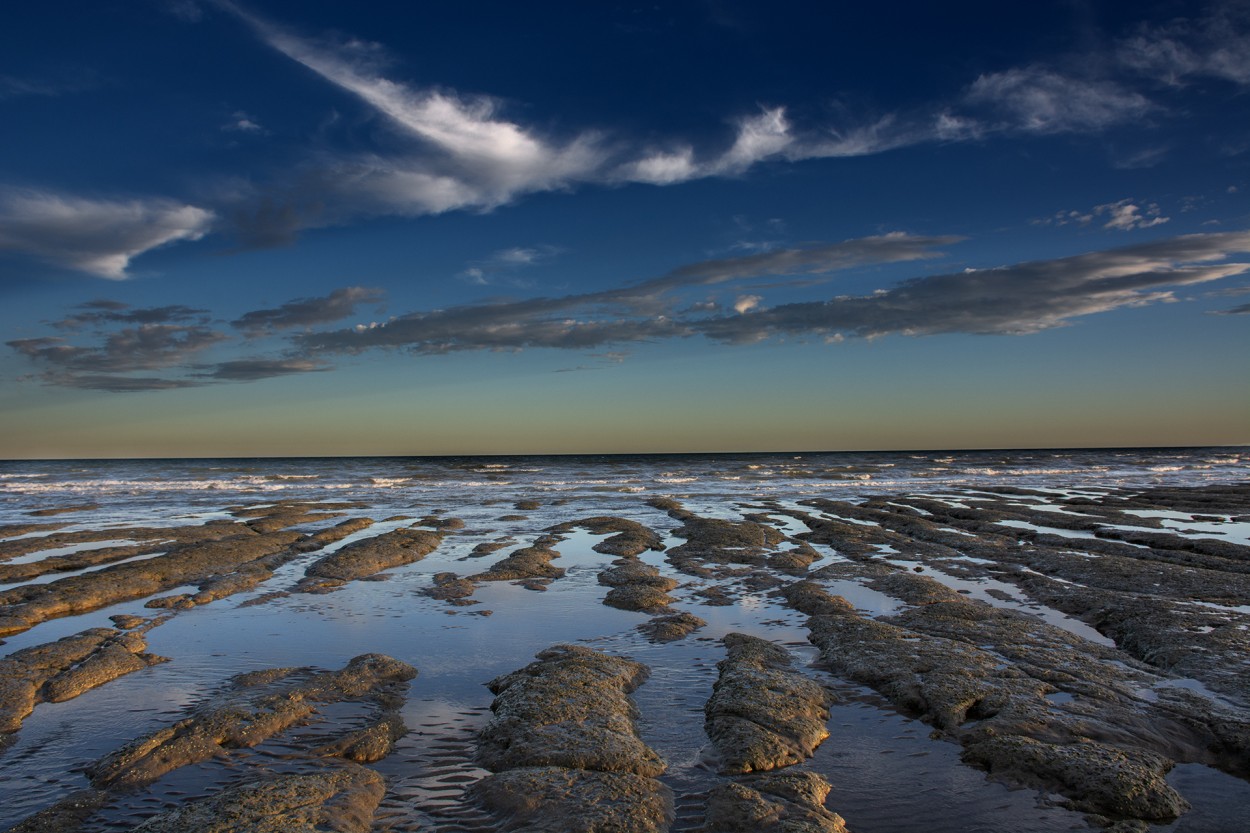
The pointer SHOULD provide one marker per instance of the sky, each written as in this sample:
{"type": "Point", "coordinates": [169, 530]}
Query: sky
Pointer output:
{"type": "Point", "coordinates": [268, 228]}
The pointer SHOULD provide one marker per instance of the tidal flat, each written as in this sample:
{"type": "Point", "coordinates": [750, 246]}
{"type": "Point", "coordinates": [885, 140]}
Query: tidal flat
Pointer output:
{"type": "Point", "coordinates": [1069, 650]}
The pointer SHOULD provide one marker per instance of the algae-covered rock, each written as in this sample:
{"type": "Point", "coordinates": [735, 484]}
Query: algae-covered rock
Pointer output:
{"type": "Point", "coordinates": [28, 605]}
{"type": "Point", "coordinates": [632, 571]}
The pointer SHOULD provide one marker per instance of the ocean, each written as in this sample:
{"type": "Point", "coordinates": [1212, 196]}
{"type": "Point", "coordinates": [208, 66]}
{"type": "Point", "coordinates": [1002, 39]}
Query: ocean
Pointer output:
{"type": "Point", "coordinates": [602, 482]}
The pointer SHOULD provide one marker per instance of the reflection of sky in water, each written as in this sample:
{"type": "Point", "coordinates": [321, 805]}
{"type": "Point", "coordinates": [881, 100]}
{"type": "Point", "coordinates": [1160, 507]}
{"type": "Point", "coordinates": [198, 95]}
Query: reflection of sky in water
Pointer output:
{"type": "Point", "coordinates": [67, 550]}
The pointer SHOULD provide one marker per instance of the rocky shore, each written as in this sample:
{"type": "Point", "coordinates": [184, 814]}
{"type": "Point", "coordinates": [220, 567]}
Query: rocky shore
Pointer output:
{"type": "Point", "coordinates": [1087, 646]}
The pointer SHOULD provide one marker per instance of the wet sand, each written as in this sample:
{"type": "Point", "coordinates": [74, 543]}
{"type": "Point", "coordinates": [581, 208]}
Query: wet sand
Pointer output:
{"type": "Point", "coordinates": [968, 659]}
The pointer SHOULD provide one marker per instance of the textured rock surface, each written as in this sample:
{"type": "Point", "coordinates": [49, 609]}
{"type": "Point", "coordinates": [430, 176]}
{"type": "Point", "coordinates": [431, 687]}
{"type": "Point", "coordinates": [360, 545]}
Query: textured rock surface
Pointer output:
{"type": "Point", "coordinates": [630, 539]}
{"type": "Point", "coordinates": [570, 708]}
{"type": "Point", "coordinates": [532, 562]}
{"type": "Point", "coordinates": [338, 800]}
{"type": "Point", "coordinates": [66, 815]}
{"type": "Point", "coordinates": [558, 800]}
{"type": "Point", "coordinates": [981, 675]}
{"type": "Point", "coordinates": [372, 555]}
{"type": "Point", "coordinates": [671, 627]}
{"type": "Point", "coordinates": [785, 802]}
{"type": "Point", "coordinates": [637, 597]}
{"type": "Point", "coordinates": [61, 670]}
{"type": "Point", "coordinates": [28, 605]}
{"type": "Point", "coordinates": [256, 707]}
{"type": "Point", "coordinates": [565, 749]}
{"type": "Point", "coordinates": [763, 714]}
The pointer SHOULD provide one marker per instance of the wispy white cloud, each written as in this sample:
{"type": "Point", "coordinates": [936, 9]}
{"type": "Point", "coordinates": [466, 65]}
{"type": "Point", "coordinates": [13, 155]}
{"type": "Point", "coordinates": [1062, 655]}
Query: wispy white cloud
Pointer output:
{"type": "Point", "coordinates": [100, 237]}
{"type": "Point", "coordinates": [241, 122]}
{"type": "Point", "coordinates": [479, 157]}
{"type": "Point", "coordinates": [1214, 45]}
{"type": "Point", "coordinates": [459, 151]}
{"type": "Point", "coordinates": [468, 154]}
{"type": "Point", "coordinates": [505, 262]}
{"type": "Point", "coordinates": [1126, 215]}
{"type": "Point", "coordinates": [1122, 215]}
{"type": "Point", "coordinates": [1037, 99]}
{"type": "Point", "coordinates": [76, 81]}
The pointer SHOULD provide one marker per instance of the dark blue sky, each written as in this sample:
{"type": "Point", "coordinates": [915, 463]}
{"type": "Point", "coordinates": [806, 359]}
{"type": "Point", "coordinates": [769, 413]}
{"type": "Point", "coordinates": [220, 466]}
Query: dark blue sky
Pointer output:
{"type": "Point", "coordinates": [323, 227]}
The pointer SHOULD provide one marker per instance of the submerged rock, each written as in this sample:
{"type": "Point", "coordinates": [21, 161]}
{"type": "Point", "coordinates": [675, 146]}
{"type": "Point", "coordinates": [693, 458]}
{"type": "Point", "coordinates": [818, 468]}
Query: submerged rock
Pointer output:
{"type": "Point", "coordinates": [763, 714]}
{"type": "Point", "coordinates": [64, 816]}
{"type": "Point", "coordinates": [336, 800]}
{"type": "Point", "coordinates": [370, 744]}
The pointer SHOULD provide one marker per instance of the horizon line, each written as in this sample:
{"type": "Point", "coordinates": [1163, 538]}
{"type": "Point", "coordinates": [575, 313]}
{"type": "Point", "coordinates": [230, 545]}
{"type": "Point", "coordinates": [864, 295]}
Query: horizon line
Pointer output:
{"type": "Point", "coordinates": [800, 452]}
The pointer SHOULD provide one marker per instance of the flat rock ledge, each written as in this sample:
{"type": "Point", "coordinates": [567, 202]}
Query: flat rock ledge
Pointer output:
{"type": "Point", "coordinates": [717, 542]}
{"type": "Point", "coordinates": [630, 538]}
{"type": "Point", "coordinates": [526, 563]}
{"type": "Point", "coordinates": [565, 752]}
{"type": "Point", "coordinates": [763, 714]}
{"type": "Point", "coordinates": [671, 627]}
{"type": "Point", "coordinates": [221, 557]}
{"type": "Point", "coordinates": [340, 800]}
{"type": "Point", "coordinates": [57, 671]}
{"type": "Point", "coordinates": [365, 558]}
{"type": "Point", "coordinates": [784, 802]}
{"type": "Point", "coordinates": [981, 676]}
{"type": "Point", "coordinates": [636, 586]}
{"type": "Point", "coordinates": [257, 706]}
